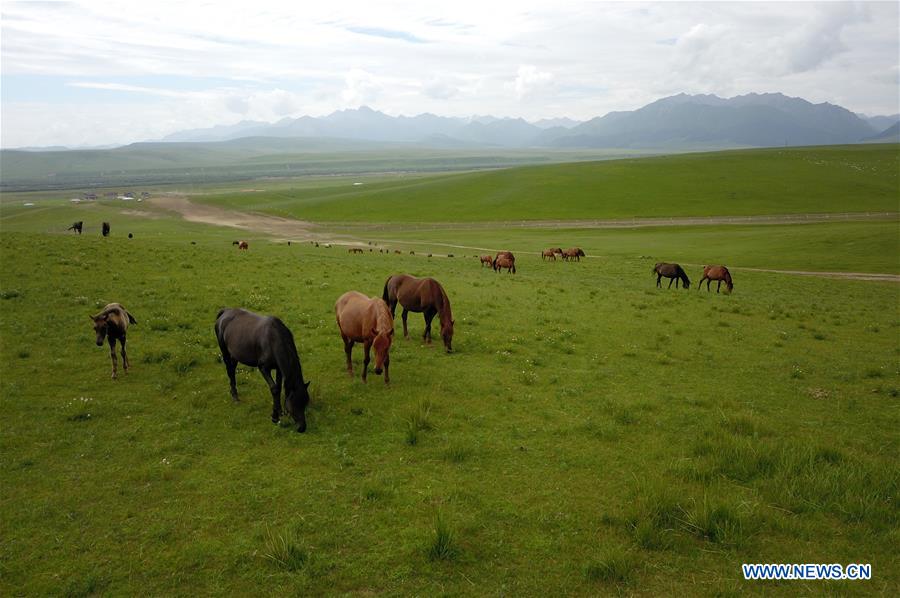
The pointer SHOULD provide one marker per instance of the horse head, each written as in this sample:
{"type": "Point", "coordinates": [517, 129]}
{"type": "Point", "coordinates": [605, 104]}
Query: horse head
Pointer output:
{"type": "Point", "coordinates": [295, 402]}
{"type": "Point", "coordinates": [382, 345]}
{"type": "Point", "coordinates": [101, 326]}
{"type": "Point", "coordinates": [447, 334]}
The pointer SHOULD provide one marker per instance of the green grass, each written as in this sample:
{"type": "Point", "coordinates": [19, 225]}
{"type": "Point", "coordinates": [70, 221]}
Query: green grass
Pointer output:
{"type": "Point", "coordinates": [157, 483]}
{"type": "Point", "coordinates": [829, 247]}
{"type": "Point", "coordinates": [590, 433]}
{"type": "Point", "coordinates": [747, 182]}
{"type": "Point", "coordinates": [153, 164]}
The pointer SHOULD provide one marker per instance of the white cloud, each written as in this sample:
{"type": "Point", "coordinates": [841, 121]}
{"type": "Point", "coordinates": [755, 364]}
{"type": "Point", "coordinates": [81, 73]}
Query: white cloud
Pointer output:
{"type": "Point", "coordinates": [360, 87]}
{"type": "Point", "coordinates": [195, 64]}
{"type": "Point", "coordinates": [530, 80]}
{"type": "Point", "coordinates": [440, 89]}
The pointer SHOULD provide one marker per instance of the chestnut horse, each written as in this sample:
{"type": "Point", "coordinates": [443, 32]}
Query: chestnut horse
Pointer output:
{"type": "Point", "coordinates": [486, 259]}
{"type": "Point", "coordinates": [573, 253]}
{"type": "Point", "coordinates": [671, 271]}
{"type": "Point", "coordinates": [718, 273]}
{"type": "Point", "coordinates": [548, 254]}
{"type": "Point", "coordinates": [505, 262]}
{"type": "Point", "coordinates": [421, 295]}
{"type": "Point", "coordinates": [264, 342]}
{"type": "Point", "coordinates": [241, 244]}
{"type": "Point", "coordinates": [508, 256]}
{"type": "Point", "coordinates": [365, 320]}
{"type": "Point", "coordinates": [112, 323]}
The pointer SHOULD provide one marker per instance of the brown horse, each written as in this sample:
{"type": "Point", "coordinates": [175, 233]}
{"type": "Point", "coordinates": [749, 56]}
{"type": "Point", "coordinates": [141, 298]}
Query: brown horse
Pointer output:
{"type": "Point", "coordinates": [506, 255]}
{"type": "Point", "coordinates": [241, 244]}
{"type": "Point", "coordinates": [718, 273]}
{"type": "Point", "coordinates": [365, 320]}
{"type": "Point", "coordinates": [672, 272]}
{"type": "Point", "coordinates": [354, 250]}
{"type": "Point", "coordinates": [486, 259]}
{"type": "Point", "coordinates": [112, 323]}
{"type": "Point", "coordinates": [548, 254]}
{"type": "Point", "coordinates": [264, 342]}
{"type": "Point", "coordinates": [573, 253]}
{"type": "Point", "coordinates": [421, 295]}
{"type": "Point", "coordinates": [505, 262]}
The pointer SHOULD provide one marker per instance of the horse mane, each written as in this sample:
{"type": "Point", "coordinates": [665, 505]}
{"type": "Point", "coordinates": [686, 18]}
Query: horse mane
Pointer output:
{"type": "Point", "coordinates": [443, 305]}
{"type": "Point", "coordinates": [728, 279]}
{"type": "Point", "coordinates": [293, 375]}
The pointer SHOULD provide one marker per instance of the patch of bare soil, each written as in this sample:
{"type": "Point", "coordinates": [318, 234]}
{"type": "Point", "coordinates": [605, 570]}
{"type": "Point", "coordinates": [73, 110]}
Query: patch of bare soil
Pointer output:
{"type": "Point", "coordinates": [283, 228]}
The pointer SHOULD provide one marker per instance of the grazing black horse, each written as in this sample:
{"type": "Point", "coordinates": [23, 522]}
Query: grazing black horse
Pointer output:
{"type": "Point", "coordinates": [105, 230]}
{"type": "Point", "coordinates": [76, 226]}
{"type": "Point", "coordinates": [264, 342]}
{"type": "Point", "coordinates": [672, 272]}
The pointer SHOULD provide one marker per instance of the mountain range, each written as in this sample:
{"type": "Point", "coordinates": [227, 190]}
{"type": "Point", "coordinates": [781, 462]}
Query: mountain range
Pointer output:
{"type": "Point", "coordinates": [678, 122]}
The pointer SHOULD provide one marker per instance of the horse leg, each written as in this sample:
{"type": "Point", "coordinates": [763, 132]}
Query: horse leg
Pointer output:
{"type": "Point", "coordinates": [275, 389]}
{"type": "Point", "coordinates": [367, 345]}
{"type": "Point", "coordinates": [348, 349]}
{"type": "Point", "coordinates": [405, 330]}
{"type": "Point", "coordinates": [708, 280]}
{"type": "Point", "coordinates": [718, 286]}
{"type": "Point", "coordinates": [125, 362]}
{"type": "Point", "coordinates": [387, 363]}
{"type": "Point", "coordinates": [429, 316]}
{"type": "Point", "coordinates": [393, 305]}
{"type": "Point", "coordinates": [700, 284]}
{"type": "Point", "coordinates": [658, 279]}
{"type": "Point", "coordinates": [112, 354]}
{"type": "Point", "coordinates": [671, 280]}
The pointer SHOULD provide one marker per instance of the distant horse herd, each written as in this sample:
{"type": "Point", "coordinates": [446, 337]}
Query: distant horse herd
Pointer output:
{"type": "Point", "coordinates": [266, 343]}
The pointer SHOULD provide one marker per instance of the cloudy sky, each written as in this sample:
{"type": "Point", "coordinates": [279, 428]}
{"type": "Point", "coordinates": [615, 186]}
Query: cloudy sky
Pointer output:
{"type": "Point", "coordinates": [91, 73]}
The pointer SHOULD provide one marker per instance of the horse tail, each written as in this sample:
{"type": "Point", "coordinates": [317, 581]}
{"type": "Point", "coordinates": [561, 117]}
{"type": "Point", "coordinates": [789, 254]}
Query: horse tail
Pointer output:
{"type": "Point", "coordinates": [514, 267]}
{"type": "Point", "coordinates": [386, 295]}
{"type": "Point", "coordinates": [130, 317]}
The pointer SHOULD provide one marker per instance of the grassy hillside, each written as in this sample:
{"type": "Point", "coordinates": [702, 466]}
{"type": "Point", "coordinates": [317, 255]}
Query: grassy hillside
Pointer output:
{"type": "Point", "coordinates": [828, 247]}
{"type": "Point", "coordinates": [774, 181]}
{"type": "Point", "coordinates": [255, 157]}
{"type": "Point", "coordinates": [591, 433]}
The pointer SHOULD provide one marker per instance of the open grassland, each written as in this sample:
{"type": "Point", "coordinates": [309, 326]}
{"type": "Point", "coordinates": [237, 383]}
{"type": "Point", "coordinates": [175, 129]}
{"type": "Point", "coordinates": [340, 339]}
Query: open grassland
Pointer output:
{"type": "Point", "coordinates": [591, 434]}
{"type": "Point", "coordinates": [257, 157]}
{"type": "Point", "coordinates": [830, 247]}
{"type": "Point", "coordinates": [772, 181]}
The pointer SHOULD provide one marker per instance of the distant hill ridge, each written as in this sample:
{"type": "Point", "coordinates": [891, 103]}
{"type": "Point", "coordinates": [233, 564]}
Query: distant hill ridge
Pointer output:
{"type": "Point", "coordinates": [678, 122]}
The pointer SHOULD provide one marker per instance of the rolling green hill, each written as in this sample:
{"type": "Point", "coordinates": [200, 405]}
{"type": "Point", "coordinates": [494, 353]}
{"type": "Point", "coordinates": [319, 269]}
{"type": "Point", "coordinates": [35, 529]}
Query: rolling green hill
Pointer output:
{"type": "Point", "coordinates": [746, 182]}
{"type": "Point", "coordinates": [255, 157]}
